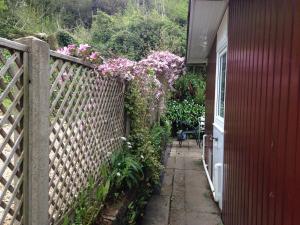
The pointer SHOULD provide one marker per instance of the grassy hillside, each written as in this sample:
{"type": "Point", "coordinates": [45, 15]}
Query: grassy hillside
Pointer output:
{"type": "Point", "coordinates": [128, 28]}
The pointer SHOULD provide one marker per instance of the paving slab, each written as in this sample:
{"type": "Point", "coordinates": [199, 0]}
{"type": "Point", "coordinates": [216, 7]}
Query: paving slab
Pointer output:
{"type": "Point", "coordinates": [185, 197]}
{"type": "Point", "coordinates": [194, 218]}
{"type": "Point", "coordinates": [167, 183]}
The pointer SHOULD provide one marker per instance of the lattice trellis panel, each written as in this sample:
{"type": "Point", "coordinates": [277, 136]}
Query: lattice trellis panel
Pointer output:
{"type": "Point", "coordinates": [86, 123]}
{"type": "Point", "coordinates": [11, 136]}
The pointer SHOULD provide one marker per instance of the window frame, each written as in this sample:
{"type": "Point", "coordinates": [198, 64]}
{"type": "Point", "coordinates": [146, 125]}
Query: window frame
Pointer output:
{"type": "Point", "coordinates": [219, 120]}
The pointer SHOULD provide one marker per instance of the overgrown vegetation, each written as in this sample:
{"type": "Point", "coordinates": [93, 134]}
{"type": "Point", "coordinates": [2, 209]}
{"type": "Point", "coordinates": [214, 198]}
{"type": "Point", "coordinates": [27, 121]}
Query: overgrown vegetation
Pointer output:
{"type": "Point", "coordinates": [136, 167]}
{"type": "Point", "coordinates": [187, 103]}
{"type": "Point", "coordinates": [130, 28]}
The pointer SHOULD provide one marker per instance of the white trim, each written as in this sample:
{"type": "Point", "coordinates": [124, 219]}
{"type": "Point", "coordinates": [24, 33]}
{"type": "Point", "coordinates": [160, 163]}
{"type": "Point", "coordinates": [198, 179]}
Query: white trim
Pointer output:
{"type": "Point", "coordinates": [219, 121]}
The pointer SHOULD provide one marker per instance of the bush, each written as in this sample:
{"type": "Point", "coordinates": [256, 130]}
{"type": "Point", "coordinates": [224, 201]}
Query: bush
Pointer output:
{"type": "Point", "coordinates": [65, 38]}
{"type": "Point", "coordinates": [190, 86]}
{"type": "Point", "coordinates": [125, 43]}
{"type": "Point", "coordinates": [135, 34]}
{"type": "Point", "coordinates": [186, 111]}
{"type": "Point", "coordinates": [126, 171]}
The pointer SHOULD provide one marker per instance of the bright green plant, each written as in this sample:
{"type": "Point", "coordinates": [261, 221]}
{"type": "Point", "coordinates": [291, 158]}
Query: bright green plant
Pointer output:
{"type": "Point", "coordinates": [186, 111]}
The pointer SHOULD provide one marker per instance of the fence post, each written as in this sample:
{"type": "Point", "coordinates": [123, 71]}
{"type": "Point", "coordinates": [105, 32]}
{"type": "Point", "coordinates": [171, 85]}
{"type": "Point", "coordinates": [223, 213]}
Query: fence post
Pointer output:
{"type": "Point", "coordinates": [36, 165]}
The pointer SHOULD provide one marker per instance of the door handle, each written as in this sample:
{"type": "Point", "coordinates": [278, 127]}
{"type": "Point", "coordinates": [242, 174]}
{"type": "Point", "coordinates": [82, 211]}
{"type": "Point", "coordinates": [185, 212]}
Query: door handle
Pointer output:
{"type": "Point", "coordinates": [214, 138]}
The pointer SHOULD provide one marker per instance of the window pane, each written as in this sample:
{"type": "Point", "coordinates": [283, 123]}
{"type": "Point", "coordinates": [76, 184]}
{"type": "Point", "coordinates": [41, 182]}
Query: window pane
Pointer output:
{"type": "Point", "coordinates": [221, 84]}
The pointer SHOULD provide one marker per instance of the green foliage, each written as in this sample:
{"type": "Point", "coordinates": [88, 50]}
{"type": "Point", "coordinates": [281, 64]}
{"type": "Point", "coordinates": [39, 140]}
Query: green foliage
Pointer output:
{"type": "Point", "coordinates": [148, 142]}
{"type": "Point", "coordinates": [187, 102]}
{"type": "Point", "coordinates": [130, 28]}
{"type": "Point", "coordinates": [2, 5]}
{"type": "Point", "coordinates": [134, 34]}
{"type": "Point", "coordinates": [126, 171]}
{"type": "Point", "coordinates": [102, 27]}
{"type": "Point", "coordinates": [126, 43]}
{"type": "Point", "coordinates": [111, 7]}
{"type": "Point", "coordinates": [65, 38]}
{"type": "Point", "coordinates": [177, 10]}
{"type": "Point", "coordinates": [74, 12]}
{"type": "Point", "coordinates": [137, 110]}
{"type": "Point", "coordinates": [160, 134]}
{"type": "Point", "coordinates": [136, 207]}
{"type": "Point", "coordinates": [187, 111]}
{"type": "Point", "coordinates": [191, 86]}
{"type": "Point", "coordinates": [89, 203]}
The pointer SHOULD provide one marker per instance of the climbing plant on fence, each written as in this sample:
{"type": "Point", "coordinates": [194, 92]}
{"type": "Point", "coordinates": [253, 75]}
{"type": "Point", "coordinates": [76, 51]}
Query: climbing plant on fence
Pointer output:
{"type": "Point", "coordinates": [147, 82]}
{"type": "Point", "coordinates": [62, 119]}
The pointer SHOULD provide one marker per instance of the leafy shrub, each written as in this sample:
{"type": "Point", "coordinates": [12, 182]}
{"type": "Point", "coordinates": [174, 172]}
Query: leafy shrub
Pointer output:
{"type": "Point", "coordinates": [89, 203]}
{"type": "Point", "coordinates": [134, 34]}
{"type": "Point", "coordinates": [65, 38]}
{"type": "Point", "coordinates": [160, 133]}
{"type": "Point", "coordinates": [190, 86]}
{"type": "Point", "coordinates": [186, 111]}
{"type": "Point", "coordinates": [102, 28]}
{"type": "Point", "coordinates": [126, 43]}
{"type": "Point", "coordinates": [126, 171]}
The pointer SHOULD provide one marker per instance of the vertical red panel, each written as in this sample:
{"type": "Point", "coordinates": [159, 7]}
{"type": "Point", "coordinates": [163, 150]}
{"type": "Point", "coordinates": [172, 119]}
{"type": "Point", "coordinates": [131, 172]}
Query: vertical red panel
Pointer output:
{"type": "Point", "coordinates": [262, 124]}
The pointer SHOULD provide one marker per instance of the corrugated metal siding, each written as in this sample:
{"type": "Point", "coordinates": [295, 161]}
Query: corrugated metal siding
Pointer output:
{"type": "Point", "coordinates": [210, 102]}
{"type": "Point", "coordinates": [262, 124]}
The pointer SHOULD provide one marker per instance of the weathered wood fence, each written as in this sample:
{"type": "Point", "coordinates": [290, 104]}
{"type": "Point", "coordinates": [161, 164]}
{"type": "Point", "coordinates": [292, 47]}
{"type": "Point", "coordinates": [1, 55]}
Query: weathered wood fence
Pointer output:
{"type": "Point", "coordinates": [59, 120]}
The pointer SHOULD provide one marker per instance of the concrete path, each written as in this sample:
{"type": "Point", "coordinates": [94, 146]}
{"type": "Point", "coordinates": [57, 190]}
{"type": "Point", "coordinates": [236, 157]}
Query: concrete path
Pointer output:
{"type": "Point", "coordinates": [185, 198]}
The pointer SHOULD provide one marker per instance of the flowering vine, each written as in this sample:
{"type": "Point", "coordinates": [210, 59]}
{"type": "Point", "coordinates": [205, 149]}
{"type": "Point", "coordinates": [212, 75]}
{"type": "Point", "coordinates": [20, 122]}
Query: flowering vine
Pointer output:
{"type": "Point", "coordinates": [159, 69]}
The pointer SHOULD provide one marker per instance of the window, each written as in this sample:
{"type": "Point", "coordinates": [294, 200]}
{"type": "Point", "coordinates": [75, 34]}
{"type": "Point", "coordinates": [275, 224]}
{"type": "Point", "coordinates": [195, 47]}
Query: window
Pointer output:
{"type": "Point", "coordinates": [221, 85]}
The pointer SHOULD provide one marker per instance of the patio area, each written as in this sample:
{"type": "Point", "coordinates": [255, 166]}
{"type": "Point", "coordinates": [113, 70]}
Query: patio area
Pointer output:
{"type": "Point", "coordinates": [185, 198]}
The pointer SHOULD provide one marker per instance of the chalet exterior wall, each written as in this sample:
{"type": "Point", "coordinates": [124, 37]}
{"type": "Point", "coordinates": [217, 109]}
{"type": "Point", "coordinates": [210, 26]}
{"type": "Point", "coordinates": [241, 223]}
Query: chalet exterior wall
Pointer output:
{"type": "Point", "coordinates": [262, 119]}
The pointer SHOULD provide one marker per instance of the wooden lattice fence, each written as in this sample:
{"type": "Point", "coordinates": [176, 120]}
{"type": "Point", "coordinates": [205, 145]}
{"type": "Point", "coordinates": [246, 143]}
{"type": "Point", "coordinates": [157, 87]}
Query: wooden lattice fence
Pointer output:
{"type": "Point", "coordinates": [59, 121]}
{"type": "Point", "coordinates": [86, 123]}
{"type": "Point", "coordinates": [13, 60]}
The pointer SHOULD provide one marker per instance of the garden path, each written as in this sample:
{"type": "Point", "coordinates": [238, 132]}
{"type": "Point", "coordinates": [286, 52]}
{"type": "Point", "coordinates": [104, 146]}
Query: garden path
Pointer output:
{"type": "Point", "coordinates": [185, 198]}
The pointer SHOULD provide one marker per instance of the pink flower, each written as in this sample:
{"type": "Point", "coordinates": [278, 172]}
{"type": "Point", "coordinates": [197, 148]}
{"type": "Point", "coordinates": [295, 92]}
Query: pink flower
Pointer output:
{"type": "Point", "coordinates": [83, 47]}
{"type": "Point", "coordinates": [64, 51]}
{"type": "Point", "coordinates": [84, 50]}
{"type": "Point", "coordinates": [95, 57]}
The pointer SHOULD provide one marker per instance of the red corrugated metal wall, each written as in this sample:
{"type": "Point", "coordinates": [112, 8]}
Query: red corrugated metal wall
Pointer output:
{"type": "Point", "coordinates": [262, 123]}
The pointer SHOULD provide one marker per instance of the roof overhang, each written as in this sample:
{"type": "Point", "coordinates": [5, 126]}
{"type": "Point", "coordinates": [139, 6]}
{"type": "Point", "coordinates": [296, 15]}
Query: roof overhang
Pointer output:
{"type": "Point", "coordinates": [204, 20]}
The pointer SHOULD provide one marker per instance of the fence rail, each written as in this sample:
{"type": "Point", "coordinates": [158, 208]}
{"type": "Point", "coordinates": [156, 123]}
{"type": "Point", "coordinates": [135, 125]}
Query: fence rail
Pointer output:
{"type": "Point", "coordinates": [59, 121]}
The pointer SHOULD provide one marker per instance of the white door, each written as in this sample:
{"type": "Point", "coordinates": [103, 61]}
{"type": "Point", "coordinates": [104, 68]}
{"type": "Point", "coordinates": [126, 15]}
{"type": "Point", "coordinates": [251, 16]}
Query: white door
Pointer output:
{"type": "Point", "coordinates": [218, 132]}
